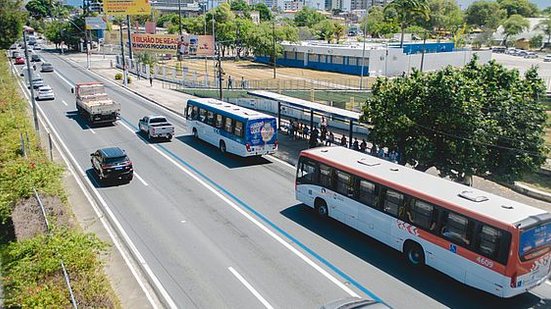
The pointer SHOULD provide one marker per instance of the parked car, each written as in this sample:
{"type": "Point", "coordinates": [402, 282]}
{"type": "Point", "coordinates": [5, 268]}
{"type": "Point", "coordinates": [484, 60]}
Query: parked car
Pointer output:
{"type": "Point", "coordinates": [355, 303]}
{"type": "Point", "coordinates": [35, 58]}
{"type": "Point", "coordinates": [547, 58]}
{"type": "Point", "coordinates": [47, 67]}
{"type": "Point", "coordinates": [156, 127]}
{"type": "Point", "coordinates": [531, 55]}
{"type": "Point", "coordinates": [521, 53]}
{"type": "Point", "coordinates": [112, 164]}
{"type": "Point", "coordinates": [511, 51]}
{"type": "Point", "coordinates": [45, 93]}
{"type": "Point", "coordinates": [37, 47]}
{"type": "Point", "coordinates": [19, 60]}
{"type": "Point", "coordinates": [499, 49]}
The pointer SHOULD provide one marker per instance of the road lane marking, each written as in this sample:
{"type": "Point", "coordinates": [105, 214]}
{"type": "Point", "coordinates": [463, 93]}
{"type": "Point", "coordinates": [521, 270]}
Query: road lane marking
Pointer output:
{"type": "Point", "coordinates": [250, 288]}
{"type": "Point", "coordinates": [64, 79]}
{"type": "Point", "coordinates": [140, 260]}
{"type": "Point", "coordinates": [127, 127]}
{"type": "Point", "coordinates": [266, 229]}
{"type": "Point", "coordinates": [90, 128]}
{"type": "Point", "coordinates": [140, 179]}
{"type": "Point", "coordinates": [286, 164]}
{"type": "Point", "coordinates": [63, 101]}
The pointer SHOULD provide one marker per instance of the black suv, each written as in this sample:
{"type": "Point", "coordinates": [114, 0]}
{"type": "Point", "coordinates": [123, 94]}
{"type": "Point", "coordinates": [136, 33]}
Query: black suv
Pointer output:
{"type": "Point", "coordinates": [112, 163]}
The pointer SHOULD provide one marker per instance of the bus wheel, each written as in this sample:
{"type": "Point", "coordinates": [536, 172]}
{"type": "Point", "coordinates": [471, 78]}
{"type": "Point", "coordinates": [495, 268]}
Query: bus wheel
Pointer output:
{"type": "Point", "coordinates": [321, 208]}
{"type": "Point", "coordinates": [414, 253]}
{"type": "Point", "coordinates": [195, 134]}
{"type": "Point", "coordinates": [222, 147]}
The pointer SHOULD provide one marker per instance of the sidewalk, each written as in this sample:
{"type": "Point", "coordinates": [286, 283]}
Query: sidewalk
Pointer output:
{"type": "Point", "coordinates": [289, 149]}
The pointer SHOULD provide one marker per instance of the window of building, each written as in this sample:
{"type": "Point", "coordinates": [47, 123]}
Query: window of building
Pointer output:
{"type": "Point", "coordinates": [238, 130]}
{"type": "Point", "coordinates": [337, 60]}
{"type": "Point", "coordinates": [313, 57]}
{"type": "Point", "coordinates": [393, 202]}
{"type": "Point", "coordinates": [300, 56]}
{"type": "Point", "coordinates": [219, 121]}
{"type": "Point", "coordinates": [323, 58]}
{"type": "Point", "coordinates": [326, 176]}
{"type": "Point", "coordinates": [228, 126]}
{"type": "Point", "coordinates": [368, 193]}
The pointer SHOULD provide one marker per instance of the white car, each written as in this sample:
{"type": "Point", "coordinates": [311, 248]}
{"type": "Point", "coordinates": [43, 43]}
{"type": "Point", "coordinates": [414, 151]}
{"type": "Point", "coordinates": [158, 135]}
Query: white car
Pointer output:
{"type": "Point", "coordinates": [45, 93]}
{"type": "Point", "coordinates": [547, 58]}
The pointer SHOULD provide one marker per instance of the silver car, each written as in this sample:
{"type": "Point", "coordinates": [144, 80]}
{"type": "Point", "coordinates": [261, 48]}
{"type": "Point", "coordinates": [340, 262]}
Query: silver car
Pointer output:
{"type": "Point", "coordinates": [45, 93]}
{"type": "Point", "coordinates": [37, 81]}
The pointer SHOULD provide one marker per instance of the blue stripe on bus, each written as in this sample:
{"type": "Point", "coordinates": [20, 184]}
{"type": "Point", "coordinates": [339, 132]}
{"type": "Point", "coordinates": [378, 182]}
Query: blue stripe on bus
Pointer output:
{"type": "Point", "coordinates": [267, 221]}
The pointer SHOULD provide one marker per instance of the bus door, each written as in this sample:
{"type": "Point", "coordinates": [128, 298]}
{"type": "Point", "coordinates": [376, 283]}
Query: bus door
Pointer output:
{"type": "Point", "coordinates": [370, 219]}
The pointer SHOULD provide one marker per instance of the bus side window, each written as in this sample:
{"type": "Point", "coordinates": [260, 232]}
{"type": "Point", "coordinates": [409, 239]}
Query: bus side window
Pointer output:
{"type": "Point", "coordinates": [393, 202]}
{"type": "Point", "coordinates": [456, 229]}
{"type": "Point", "coordinates": [344, 184]}
{"type": "Point", "coordinates": [367, 193]}
{"type": "Point", "coordinates": [202, 115]}
{"type": "Point", "coordinates": [219, 121]}
{"type": "Point", "coordinates": [422, 214]}
{"type": "Point", "coordinates": [306, 172]}
{"type": "Point", "coordinates": [489, 241]}
{"type": "Point", "coordinates": [228, 126]}
{"type": "Point", "coordinates": [210, 118]}
{"type": "Point", "coordinates": [238, 130]}
{"type": "Point", "coordinates": [326, 177]}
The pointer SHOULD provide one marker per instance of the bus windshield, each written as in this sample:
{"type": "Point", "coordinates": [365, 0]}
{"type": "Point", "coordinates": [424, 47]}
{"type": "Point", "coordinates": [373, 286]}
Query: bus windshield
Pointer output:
{"type": "Point", "coordinates": [535, 241]}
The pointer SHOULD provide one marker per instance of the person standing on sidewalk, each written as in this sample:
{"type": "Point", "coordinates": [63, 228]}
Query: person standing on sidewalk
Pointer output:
{"type": "Point", "coordinates": [330, 140]}
{"type": "Point", "coordinates": [150, 81]}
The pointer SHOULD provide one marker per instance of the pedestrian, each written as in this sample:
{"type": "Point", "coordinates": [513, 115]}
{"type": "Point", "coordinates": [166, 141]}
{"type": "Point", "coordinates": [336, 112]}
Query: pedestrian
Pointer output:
{"type": "Point", "coordinates": [300, 132]}
{"type": "Point", "coordinates": [373, 150]}
{"type": "Point", "coordinates": [295, 129]}
{"type": "Point", "coordinates": [323, 135]}
{"type": "Point", "coordinates": [343, 141]}
{"type": "Point", "coordinates": [305, 131]}
{"type": "Point", "coordinates": [291, 128]}
{"type": "Point", "coordinates": [381, 153]}
{"type": "Point", "coordinates": [138, 71]}
{"type": "Point", "coordinates": [363, 145]}
{"type": "Point", "coordinates": [313, 138]}
{"type": "Point", "coordinates": [230, 82]}
{"type": "Point", "coordinates": [150, 81]}
{"type": "Point", "coordinates": [242, 82]}
{"type": "Point", "coordinates": [34, 67]}
{"type": "Point", "coordinates": [355, 144]}
{"type": "Point", "coordinates": [323, 123]}
{"type": "Point", "coordinates": [330, 140]}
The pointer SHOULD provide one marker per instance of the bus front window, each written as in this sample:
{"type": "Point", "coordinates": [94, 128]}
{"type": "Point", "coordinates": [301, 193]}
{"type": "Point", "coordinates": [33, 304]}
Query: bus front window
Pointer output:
{"type": "Point", "coordinates": [535, 241]}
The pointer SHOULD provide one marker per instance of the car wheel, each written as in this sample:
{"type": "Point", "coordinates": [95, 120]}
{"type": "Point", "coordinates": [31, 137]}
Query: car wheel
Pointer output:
{"type": "Point", "coordinates": [414, 253]}
{"type": "Point", "coordinates": [149, 137]}
{"type": "Point", "coordinates": [169, 137]}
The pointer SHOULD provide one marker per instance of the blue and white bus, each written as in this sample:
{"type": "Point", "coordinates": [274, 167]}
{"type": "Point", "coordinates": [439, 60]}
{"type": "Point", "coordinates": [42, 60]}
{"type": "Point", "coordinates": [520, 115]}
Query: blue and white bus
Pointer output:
{"type": "Point", "coordinates": [232, 128]}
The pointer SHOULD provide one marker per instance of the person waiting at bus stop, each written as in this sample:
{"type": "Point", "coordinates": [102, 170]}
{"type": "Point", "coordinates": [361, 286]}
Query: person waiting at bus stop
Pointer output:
{"type": "Point", "coordinates": [344, 142]}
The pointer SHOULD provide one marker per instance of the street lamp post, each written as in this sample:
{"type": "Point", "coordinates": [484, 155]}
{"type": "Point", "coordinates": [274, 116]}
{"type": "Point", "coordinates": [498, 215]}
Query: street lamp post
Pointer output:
{"type": "Point", "coordinates": [125, 74]}
{"type": "Point", "coordinates": [274, 47]}
{"type": "Point", "coordinates": [129, 37]}
{"type": "Point", "coordinates": [363, 56]}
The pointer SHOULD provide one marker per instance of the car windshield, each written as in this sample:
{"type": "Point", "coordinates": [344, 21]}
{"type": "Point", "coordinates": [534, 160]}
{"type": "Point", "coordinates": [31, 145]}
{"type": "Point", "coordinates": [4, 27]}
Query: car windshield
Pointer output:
{"type": "Point", "coordinates": [535, 241]}
{"type": "Point", "coordinates": [115, 160]}
{"type": "Point", "coordinates": [44, 89]}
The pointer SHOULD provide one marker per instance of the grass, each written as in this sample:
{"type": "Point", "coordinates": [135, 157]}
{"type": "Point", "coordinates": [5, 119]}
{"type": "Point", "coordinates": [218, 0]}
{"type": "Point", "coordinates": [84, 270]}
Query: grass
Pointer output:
{"type": "Point", "coordinates": [538, 181]}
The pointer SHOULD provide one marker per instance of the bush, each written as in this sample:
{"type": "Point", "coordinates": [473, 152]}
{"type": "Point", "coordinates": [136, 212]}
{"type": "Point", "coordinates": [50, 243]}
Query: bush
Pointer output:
{"type": "Point", "coordinates": [129, 80]}
{"type": "Point", "coordinates": [118, 76]}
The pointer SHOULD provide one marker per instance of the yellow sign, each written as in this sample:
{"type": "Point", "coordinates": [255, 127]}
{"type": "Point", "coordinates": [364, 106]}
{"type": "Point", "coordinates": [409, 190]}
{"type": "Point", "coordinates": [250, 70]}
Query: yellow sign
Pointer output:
{"type": "Point", "coordinates": [126, 7]}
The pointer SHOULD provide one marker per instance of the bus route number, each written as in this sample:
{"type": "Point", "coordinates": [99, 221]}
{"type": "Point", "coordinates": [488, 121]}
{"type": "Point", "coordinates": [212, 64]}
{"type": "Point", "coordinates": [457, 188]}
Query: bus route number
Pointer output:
{"type": "Point", "coordinates": [485, 262]}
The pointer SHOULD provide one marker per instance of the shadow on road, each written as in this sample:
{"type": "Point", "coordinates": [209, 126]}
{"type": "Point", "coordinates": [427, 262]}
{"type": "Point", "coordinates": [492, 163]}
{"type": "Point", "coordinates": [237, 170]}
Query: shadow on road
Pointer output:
{"type": "Point", "coordinates": [93, 176]}
{"type": "Point", "coordinates": [229, 160]}
{"type": "Point", "coordinates": [428, 281]}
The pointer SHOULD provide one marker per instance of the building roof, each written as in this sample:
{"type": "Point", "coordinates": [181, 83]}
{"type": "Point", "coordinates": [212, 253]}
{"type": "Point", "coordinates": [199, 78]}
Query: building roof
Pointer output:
{"type": "Point", "coordinates": [433, 187]}
{"type": "Point", "coordinates": [307, 105]}
{"type": "Point", "coordinates": [527, 34]}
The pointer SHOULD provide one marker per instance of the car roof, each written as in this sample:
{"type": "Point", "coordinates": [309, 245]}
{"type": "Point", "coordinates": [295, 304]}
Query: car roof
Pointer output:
{"type": "Point", "coordinates": [46, 87]}
{"type": "Point", "coordinates": [112, 152]}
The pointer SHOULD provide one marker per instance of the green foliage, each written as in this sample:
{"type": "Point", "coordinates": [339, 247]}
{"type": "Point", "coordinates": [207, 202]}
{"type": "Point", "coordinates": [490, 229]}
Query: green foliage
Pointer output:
{"type": "Point", "coordinates": [545, 27]}
{"type": "Point", "coordinates": [536, 41]}
{"type": "Point", "coordinates": [330, 29]}
{"type": "Point", "coordinates": [12, 19]}
{"type": "Point", "coordinates": [518, 7]}
{"type": "Point", "coordinates": [167, 18]}
{"type": "Point", "coordinates": [470, 121]}
{"type": "Point", "coordinates": [514, 25]}
{"type": "Point", "coordinates": [53, 31]}
{"type": "Point", "coordinates": [444, 15]}
{"type": "Point", "coordinates": [377, 25]}
{"type": "Point", "coordinates": [308, 17]}
{"type": "Point", "coordinates": [261, 41]}
{"type": "Point", "coordinates": [485, 14]}
{"type": "Point", "coordinates": [264, 11]}
{"type": "Point", "coordinates": [118, 76]}
{"type": "Point", "coordinates": [38, 8]}
{"type": "Point", "coordinates": [408, 11]}
{"type": "Point", "coordinates": [240, 5]}
{"type": "Point", "coordinates": [546, 11]}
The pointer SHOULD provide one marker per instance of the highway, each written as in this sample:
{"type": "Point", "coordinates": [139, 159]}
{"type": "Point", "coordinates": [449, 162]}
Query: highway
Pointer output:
{"type": "Point", "coordinates": [223, 232]}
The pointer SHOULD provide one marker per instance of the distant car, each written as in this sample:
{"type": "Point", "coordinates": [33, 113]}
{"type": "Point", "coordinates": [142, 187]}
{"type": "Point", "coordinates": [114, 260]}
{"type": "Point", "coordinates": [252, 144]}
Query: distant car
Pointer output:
{"type": "Point", "coordinates": [499, 49]}
{"type": "Point", "coordinates": [45, 93]}
{"type": "Point", "coordinates": [531, 55]}
{"type": "Point", "coordinates": [547, 58]}
{"type": "Point", "coordinates": [38, 47]}
{"type": "Point", "coordinates": [13, 46]}
{"type": "Point", "coordinates": [521, 53]}
{"type": "Point", "coordinates": [37, 81]}
{"type": "Point", "coordinates": [511, 51]}
{"type": "Point", "coordinates": [355, 303]}
{"type": "Point", "coordinates": [15, 54]}
{"type": "Point", "coordinates": [19, 60]}
{"type": "Point", "coordinates": [35, 58]}
{"type": "Point", "coordinates": [112, 163]}
{"type": "Point", "coordinates": [47, 67]}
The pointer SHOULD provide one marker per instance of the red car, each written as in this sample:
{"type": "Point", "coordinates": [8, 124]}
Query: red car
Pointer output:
{"type": "Point", "coordinates": [19, 60]}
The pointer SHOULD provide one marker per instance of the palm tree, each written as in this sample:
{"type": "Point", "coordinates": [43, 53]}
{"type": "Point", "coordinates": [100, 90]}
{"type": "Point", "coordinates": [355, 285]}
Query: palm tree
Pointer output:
{"type": "Point", "coordinates": [408, 10]}
{"type": "Point", "coordinates": [545, 26]}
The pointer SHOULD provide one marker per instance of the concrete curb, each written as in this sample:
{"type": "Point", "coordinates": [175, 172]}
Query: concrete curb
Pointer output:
{"type": "Point", "coordinates": [531, 192]}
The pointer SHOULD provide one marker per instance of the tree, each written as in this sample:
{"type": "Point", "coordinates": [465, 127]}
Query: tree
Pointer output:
{"type": "Point", "coordinates": [53, 31]}
{"type": "Point", "coordinates": [339, 31]}
{"type": "Point", "coordinates": [536, 41]}
{"type": "Point", "coordinates": [240, 5]}
{"type": "Point", "coordinates": [514, 25]}
{"type": "Point", "coordinates": [167, 18]}
{"type": "Point", "coordinates": [484, 14]}
{"type": "Point", "coordinates": [464, 121]}
{"type": "Point", "coordinates": [377, 25]}
{"type": "Point", "coordinates": [325, 30]}
{"type": "Point", "coordinates": [407, 11]}
{"type": "Point", "coordinates": [265, 13]}
{"type": "Point", "coordinates": [262, 39]}
{"type": "Point", "coordinates": [38, 8]}
{"type": "Point", "coordinates": [546, 11]}
{"type": "Point", "coordinates": [545, 27]}
{"type": "Point", "coordinates": [444, 15]}
{"type": "Point", "coordinates": [518, 7]}
{"type": "Point", "coordinates": [308, 17]}
{"type": "Point", "coordinates": [12, 19]}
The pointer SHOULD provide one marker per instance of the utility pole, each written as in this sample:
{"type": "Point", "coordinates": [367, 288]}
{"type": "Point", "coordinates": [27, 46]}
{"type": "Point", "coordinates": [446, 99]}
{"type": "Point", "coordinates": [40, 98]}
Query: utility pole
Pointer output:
{"type": "Point", "coordinates": [30, 77]}
{"type": "Point", "coordinates": [274, 47]}
{"type": "Point", "coordinates": [220, 79]}
{"type": "Point", "coordinates": [423, 54]}
{"type": "Point", "coordinates": [363, 55]}
{"type": "Point", "coordinates": [129, 37]}
{"type": "Point", "coordinates": [125, 74]}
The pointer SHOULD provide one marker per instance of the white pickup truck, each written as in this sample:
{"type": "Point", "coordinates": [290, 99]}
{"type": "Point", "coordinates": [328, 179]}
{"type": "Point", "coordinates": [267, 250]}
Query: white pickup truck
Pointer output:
{"type": "Point", "coordinates": [156, 127]}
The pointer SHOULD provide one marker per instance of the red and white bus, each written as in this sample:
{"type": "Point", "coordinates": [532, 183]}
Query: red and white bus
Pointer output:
{"type": "Point", "coordinates": [480, 239]}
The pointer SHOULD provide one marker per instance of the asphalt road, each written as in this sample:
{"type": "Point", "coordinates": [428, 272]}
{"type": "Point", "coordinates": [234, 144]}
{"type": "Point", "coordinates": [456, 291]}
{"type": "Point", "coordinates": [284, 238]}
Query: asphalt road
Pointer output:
{"type": "Point", "coordinates": [224, 232]}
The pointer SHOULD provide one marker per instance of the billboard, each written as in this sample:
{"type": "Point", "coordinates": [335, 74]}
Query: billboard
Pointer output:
{"type": "Point", "coordinates": [159, 43]}
{"type": "Point", "coordinates": [126, 7]}
{"type": "Point", "coordinates": [196, 45]}
{"type": "Point", "coordinates": [95, 23]}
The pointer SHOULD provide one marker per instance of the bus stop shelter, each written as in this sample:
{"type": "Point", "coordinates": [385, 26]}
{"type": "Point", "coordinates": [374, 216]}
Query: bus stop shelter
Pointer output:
{"type": "Point", "coordinates": [312, 107]}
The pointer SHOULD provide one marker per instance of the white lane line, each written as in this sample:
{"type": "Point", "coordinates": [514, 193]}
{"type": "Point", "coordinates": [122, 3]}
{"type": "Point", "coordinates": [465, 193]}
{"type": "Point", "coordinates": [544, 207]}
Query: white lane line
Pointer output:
{"type": "Point", "coordinates": [250, 288]}
{"type": "Point", "coordinates": [547, 282]}
{"type": "Point", "coordinates": [64, 79]}
{"type": "Point", "coordinates": [286, 164]}
{"type": "Point", "coordinates": [140, 179]}
{"type": "Point", "coordinates": [264, 228]}
{"type": "Point", "coordinates": [91, 130]}
{"type": "Point", "coordinates": [127, 127]}
{"type": "Point", "coordinates": [101, 216]}
{"type": "Point", "coordinates": [63, 101]}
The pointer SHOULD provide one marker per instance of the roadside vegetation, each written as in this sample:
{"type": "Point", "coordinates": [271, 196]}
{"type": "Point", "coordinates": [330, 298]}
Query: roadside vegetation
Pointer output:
{"type": "Point", "coordinates": [31, 255]}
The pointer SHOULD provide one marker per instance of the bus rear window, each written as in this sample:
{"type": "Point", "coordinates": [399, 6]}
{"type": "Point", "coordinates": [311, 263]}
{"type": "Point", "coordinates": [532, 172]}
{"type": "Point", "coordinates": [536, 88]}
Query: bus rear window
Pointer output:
{"type": "Point", "coordinates": [535, 241]}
